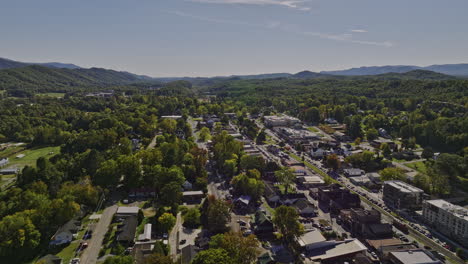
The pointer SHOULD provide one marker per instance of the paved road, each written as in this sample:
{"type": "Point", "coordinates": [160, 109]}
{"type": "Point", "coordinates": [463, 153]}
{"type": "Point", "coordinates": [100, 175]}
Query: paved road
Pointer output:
{"type": "Point", "coordinates": [90, 255]}
{"type": "Point", "coordinates": [174, 237]}
{"type": "Point", "coordinates": [152, 144]}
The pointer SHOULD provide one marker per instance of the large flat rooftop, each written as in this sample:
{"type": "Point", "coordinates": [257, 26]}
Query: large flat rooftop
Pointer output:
{"type": "Point", "coordinates": [403, 187]}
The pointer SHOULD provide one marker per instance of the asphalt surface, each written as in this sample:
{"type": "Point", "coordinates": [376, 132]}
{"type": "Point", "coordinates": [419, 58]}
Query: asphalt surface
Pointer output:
{"type": "Point", "coordinates": [174, 237]}
{"type": "Point", "coordinates": [90, 254]}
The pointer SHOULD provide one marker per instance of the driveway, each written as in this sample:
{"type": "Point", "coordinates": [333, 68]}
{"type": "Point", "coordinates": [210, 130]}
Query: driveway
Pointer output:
{"type": "Point", "coordinates": [90, 255]}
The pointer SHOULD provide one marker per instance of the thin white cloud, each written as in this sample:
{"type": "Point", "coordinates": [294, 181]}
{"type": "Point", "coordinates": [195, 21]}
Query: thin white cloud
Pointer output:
{"type": "Point", "coordinates": [294, 4]}
{"type": "Point", "coordinates": [275, 25]}
{"type": "Point", "coordinates": [358, 30]}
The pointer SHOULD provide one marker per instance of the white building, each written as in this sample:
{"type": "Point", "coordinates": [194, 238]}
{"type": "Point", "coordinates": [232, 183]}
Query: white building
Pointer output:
{"type": "Point", "coordinates": [449, 219]}
{"type": "Point", "coordinates": [3, 162]}
{"type": "Point", "coordinates": [274, 121]}
{"type": "Point", "coordinates": [318, 153]}
{"type": "Point", "coordinates": [146, 236]}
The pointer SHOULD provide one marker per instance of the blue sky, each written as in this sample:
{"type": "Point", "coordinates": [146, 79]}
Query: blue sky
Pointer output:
{"type": "Point", "coordinates": [223, 37]}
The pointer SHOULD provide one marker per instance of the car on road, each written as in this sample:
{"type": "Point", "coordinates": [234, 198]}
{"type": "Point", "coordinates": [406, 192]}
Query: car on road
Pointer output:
{"type": "Point", "coordinates": [88, 235]}
{"type": "Point", "coordinates": [75, 261]}
{"type": "Point", "coordinates": [183, 241]}
{"type": "Point", "coordinates": [82, 246]}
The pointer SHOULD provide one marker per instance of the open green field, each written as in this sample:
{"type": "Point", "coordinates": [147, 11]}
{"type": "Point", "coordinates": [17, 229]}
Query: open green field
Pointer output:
{"type": "Point", "coordinates": [31, 156]}
{"type": "Point", "coordinates": [312, 129]}
{"type": "Point", "coordinates": [11, 150]}
{"type": "Point", "coordinates": [55, 95]}
{"type": "Point", "coordinates": [419, 166]}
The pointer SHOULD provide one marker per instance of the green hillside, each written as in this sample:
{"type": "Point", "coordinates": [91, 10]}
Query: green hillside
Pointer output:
{"type": "Point", "coordinates": [43, 79]}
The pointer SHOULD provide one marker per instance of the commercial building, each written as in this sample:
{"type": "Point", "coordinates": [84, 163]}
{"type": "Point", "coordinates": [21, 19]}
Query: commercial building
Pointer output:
{"type": "Point", "coordinates": [418, 256]}
{"type": "Point", "coordinates": [366, 223]}
{"type": "Point", "coordinates": [123, 211]}
{"type": "Point", "coordinates": [449, 219]}
{"type": "Point", "coordinates": [337, 198]}
{"type": "Point", "coordinates": [275, 121]}
{"type": "Point", "coordinates": [401, 195]}
{"type": "Point", "coordinates": [296, 136]}
{"type": "Point", "coordinates": [310, 181]}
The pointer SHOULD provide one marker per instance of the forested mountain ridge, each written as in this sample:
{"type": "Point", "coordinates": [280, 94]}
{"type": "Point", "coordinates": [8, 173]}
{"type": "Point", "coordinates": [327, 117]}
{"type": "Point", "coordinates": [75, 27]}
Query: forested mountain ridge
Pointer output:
{"type": "Point", "coordinates": [9, 64]}
{"type": "Point", "coordinates": [450, 69]}
{"type": "Point", "coordinates": [53, 79]}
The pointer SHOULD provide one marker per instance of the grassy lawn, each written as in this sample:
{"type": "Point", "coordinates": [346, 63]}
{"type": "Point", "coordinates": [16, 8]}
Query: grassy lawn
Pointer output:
{"type": "Point", "coordinates": [5, 181]}
{"type": "Point", "coordinates": [31, 156]}
{"type": "Point", "coordinates": [282, 189]}
{"type": "Point", "coordinates": [9, 151]}
{"type": "Point", "coordinates": [312, 129]}
{"type": "Point", "coordinates": [419, 166]}
{"type": "Point", "coordinates": [56, 95]}
{"type": "Point", "coordinates": [399, 160]}
{"type": "Point", "coordinates": [68, 252]}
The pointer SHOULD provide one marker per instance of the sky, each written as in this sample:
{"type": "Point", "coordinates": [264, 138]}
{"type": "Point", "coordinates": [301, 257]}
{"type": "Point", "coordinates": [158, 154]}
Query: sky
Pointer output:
{"type": "Point", "coordinates": [167, 38]}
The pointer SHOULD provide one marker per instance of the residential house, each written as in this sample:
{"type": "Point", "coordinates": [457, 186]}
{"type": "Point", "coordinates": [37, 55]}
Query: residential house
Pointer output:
{"type": "Point", "coordinates": [262, 223]}
{"type": "Point", "coordinates": [65, 234]}
{"type": "Point", "coordinates": [193, 197]}
{"type": "Point", "coordinates": [187, 185]}
{"type": "Point", "coordinates": [377, 143]}
{"type": "Point", "coordinates": [331, 121]}
{"type": "Point", "coordinates": [304, 208]}
{"type": "Point", "coordinates": [242, 203]}
{"type": "Point", "coordinates": [383, 133]}
{"type": "Point", "coordinates": [272, 194]}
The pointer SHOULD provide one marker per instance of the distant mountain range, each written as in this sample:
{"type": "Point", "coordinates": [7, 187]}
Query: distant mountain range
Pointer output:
{"type": "Point", "coordinates": [449, 69]}
{"type": "Point", "coordinates": [9, 64]}
{"type": "Point", "coordinates": [63, 74]}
